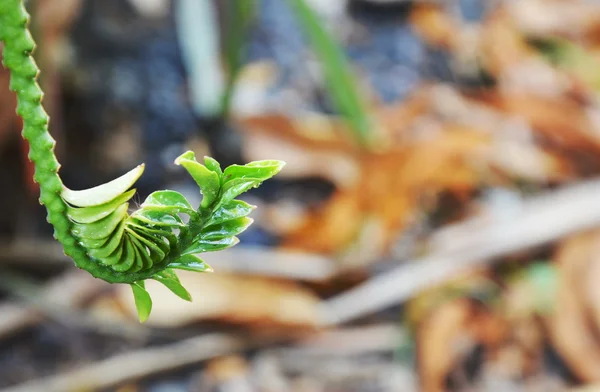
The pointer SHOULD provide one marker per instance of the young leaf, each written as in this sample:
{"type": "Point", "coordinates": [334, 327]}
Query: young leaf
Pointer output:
{"type": "Point", "coordinates": [115, 256]}
{"type": "Point", "coordinates": [213, 165]}
{"type": "Point", "coordinates": [171, 281]}
{"type": "Point", "coordinates": [158, 218]}
{"type": "Point", "coordinates": [127, 260]}
{"type": "Point", "coordinates": [226, 229]}
{"type": "Point", "coordinates": [191, 263]}
{"type": "Point", "coordinates": [109, 247]}
{"type": "Point", "coordinates": [95, 213]}
{"type": "Point", "coordinates": [232, 210]}
{"type": "Point", "coordinates": [103, 193]}
{"type": "Point", "coordinates": [262, 170]}
{"type": "Point", "coordinates": [155, 246]}
{"type": "Point", "coordinates": [207, 180]}
{"type": "Point", "coordinates": [143, 302]}
{"type": "Point", "coordinates": [102, 228]}
{"type": "Point", "coordinates": [201, 246]}
{"type": "Point", "coordinates": [234, 188]}
{"type": "Point", "coordinates": [237, 179]}
{"type": "Point", "coordinates": [172, 200]}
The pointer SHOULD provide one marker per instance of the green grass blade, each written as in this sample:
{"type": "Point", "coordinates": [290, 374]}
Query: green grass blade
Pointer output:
{"type": "Point", "coordinates": [240, 15]}
{"type": "Point", "coordinates": [340, 82]}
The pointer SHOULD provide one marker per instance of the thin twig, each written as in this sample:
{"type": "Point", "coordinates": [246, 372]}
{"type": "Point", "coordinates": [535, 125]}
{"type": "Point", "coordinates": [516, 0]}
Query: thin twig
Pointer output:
{"type": "Point", "coordinates": [136, 364]}
{"type": "Point", "coordinates": [538, 221]}
{"type": "Point", "coordinates": [246, 260]}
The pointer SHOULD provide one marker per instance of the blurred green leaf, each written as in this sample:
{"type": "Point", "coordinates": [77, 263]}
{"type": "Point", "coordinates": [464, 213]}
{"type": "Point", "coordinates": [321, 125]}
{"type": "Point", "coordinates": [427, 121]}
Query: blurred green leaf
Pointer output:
{"type": "Point", "coordinates": [543, 280]}
{"type": "Point", "coordinates": [239, 16]}
{"type": "Point", "coordinates": [171, 281]}
{"type": "Point", "coordinates": [340, 82]}
{"type": "Point", "coordinates": [571, 57]}
{"type": "Point", "coordinates": [143, 302]}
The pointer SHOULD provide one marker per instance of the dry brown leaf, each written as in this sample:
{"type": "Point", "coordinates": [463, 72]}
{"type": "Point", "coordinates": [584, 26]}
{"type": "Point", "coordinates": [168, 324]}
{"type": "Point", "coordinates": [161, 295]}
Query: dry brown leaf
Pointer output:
{"type": "Point", "coordinates": [448, 335]}
{"type": "Point", "coordinates": [569, 330]}
{"type": "Point", "coordinates": [562, 121]}
{"type": "Point", "coordinates": [221, 370]}
{"type": "Point", "coordinates": [439, 340]}
{"type": "Point", "coordinates": [568, 18]}
{"type": "Point", "coordinates": [329, 228]}
{"type": "Point", "coordinates": [502, 45]}
{"type": "Point", "coordinates": [464, 147]}
{"type": "Point", "coordinates": [251, 301]}
{"type": "Point", "coordinates": [434, 25]}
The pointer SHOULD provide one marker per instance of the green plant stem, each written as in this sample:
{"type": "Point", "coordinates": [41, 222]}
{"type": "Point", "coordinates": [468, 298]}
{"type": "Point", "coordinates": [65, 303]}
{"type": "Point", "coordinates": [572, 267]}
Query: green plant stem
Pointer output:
{"type": "Point", "coordinates": [18, 47]}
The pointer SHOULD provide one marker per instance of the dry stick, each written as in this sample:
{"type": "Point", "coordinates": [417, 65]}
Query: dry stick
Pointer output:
{"type": "Point", "coordinates": [136, 364]}
{"type": "Point", "coordinates": [247, 260]}
{"type": "Point", "coordinates": [539, 221]}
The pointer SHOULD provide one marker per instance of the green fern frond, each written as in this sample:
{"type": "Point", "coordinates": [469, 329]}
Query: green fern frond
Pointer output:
{"type": "Point", "coordinates": [153, 241]}
{"type": "Point", "coordinates": [95, 226]}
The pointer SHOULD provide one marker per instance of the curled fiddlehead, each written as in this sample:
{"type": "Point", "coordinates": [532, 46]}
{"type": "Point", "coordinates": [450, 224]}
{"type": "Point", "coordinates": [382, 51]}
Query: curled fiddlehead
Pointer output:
{"type": "Point", "coordinates": [95, 226]}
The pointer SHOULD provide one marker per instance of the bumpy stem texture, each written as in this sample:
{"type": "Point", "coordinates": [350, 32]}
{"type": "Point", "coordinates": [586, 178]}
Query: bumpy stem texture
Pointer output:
{"type": "Point", "coordinates": [18, 46]}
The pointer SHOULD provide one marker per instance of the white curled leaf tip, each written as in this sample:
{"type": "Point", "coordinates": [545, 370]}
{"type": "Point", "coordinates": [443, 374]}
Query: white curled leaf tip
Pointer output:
{"type": "Point", "coordinates": [103, 193]}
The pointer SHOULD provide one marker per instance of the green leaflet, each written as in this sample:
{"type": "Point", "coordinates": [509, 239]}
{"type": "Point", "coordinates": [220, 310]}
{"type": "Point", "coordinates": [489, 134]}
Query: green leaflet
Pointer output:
{"type": "Point", "coordinates": [229, 228]}
{"type": "Point", "coordinates": [143, 302]}
{"type": "Point", "coordinates": [171, 281]}
{"type": "Point", "coordinates": [254, 170]}
{"type": "Point", "coordinates": [156, 252]}
{"type": "Point", "coordinates": [207, 180]}
{"type": "Point", "coordinates": [191, 263]}
{"type": "Point", "coordinates": [111, 245]}
{"type": "Point", "coordinates": [103, 193]}
{"type": "Point", "coordinates": [232, 210]}
{"type": "Point", "coordinates": [168, 201]}
{"type": "Point", "coordinates": [158, 218]}
{"type": "Point", "coordinates": [102, 228]}
{"type": "Point", "coordinates": [143, 258]}
{"type": "Point", "coordinates": [239, 179]}
{"type": "Point", "coordinates": [127, 259]}
{"type": "Point", "coordinates": [213, 165]}
{"type": "Point", "coordinates": [202, 245]}
{"type": "Point", "coordinates": [95, 213]}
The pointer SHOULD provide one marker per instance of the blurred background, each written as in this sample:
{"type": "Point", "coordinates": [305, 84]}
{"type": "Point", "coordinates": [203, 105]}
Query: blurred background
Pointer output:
{"type": "Point", "coordinates": [436, 228]}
